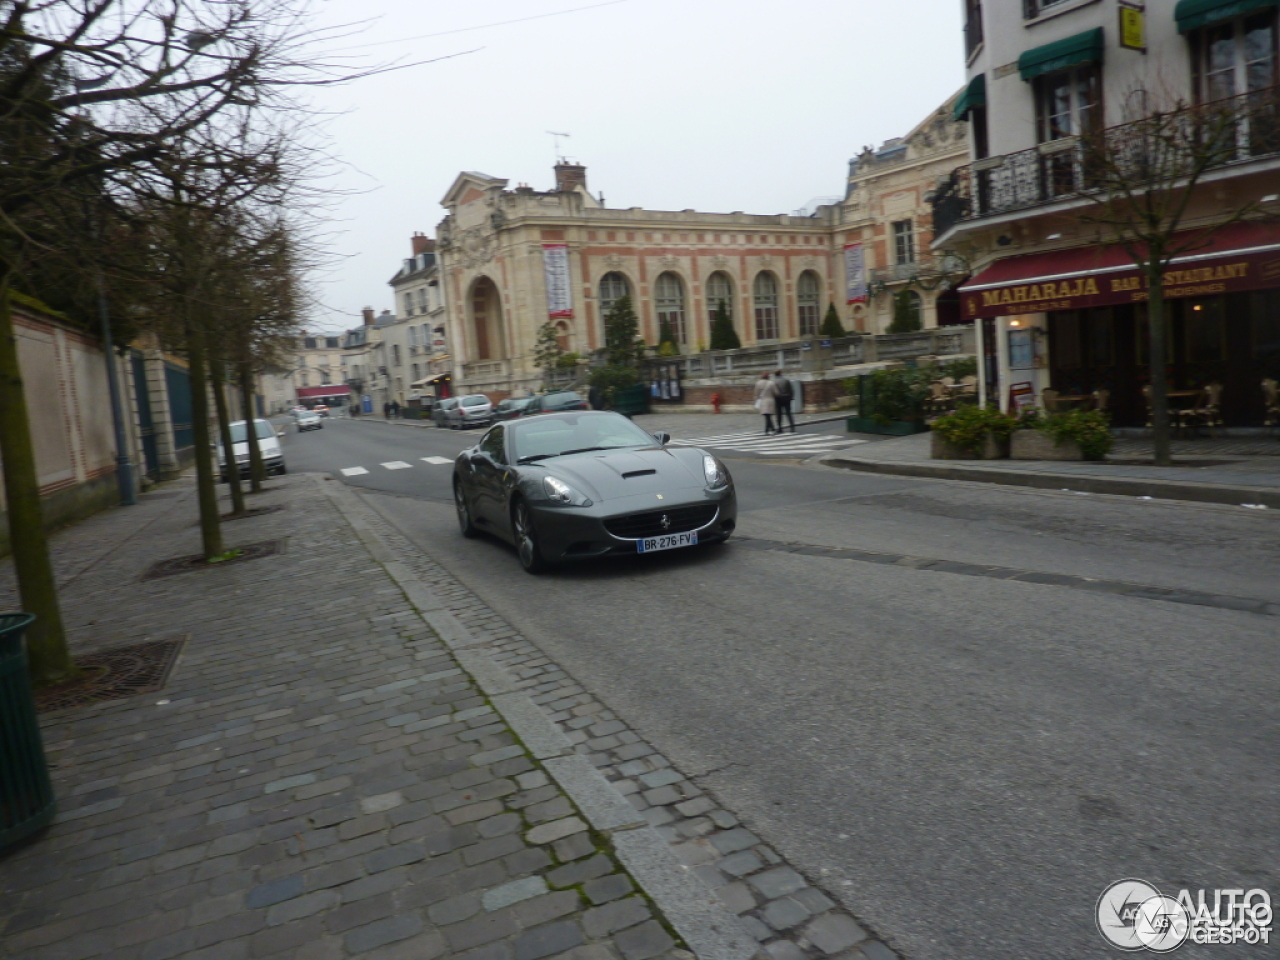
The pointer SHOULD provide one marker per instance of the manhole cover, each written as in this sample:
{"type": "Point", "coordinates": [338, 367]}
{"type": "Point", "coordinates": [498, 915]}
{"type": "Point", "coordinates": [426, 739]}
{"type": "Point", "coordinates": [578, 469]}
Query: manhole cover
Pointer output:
{"type": "Point", "coordinates": [114, 674]}
{"type": "Point", "coordinates": [176, 565]}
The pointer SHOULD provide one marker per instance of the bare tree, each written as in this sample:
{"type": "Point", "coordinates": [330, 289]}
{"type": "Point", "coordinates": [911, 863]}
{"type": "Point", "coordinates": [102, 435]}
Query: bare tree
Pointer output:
{"type": "Point", "coordinates": [1145, 176]}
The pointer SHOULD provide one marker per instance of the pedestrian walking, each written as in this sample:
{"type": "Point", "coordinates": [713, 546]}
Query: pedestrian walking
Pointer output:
{"type": "Point", "coordinates": [785, 393]}
{"type": "Point", "coordinates": [595, 397]}
{"type": "Point", "coordinates": [395, 409]}
{"type": "Point", "coordinates": [386, 411]}
{"type": "Point", "coordinates": [767, 401]}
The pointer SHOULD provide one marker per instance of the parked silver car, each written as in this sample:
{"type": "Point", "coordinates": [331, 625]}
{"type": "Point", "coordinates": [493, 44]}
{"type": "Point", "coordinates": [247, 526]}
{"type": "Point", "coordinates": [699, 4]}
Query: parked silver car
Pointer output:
{"type": "Point", "coordinates": [440, 413]}
{"type": "Point", "coordinates": [472, 410]}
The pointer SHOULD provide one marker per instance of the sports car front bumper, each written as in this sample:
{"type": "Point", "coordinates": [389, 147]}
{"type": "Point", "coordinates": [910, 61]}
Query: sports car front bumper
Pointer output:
{"type": "Point", "coordinates": [567, 532]}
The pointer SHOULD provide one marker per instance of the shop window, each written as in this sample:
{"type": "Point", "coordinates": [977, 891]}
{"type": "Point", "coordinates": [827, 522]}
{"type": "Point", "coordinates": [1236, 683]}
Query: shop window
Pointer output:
{"type": "Point", "coordinates": [1102, 337]}
{"type": "Point", "coordinates": [807, 298]}
{"type": "Point", "coordinates": [1142, 334]}
{"type": "Point", "coordinates": [765, 292]}
{"type": "Point", "coordinates": [613, 287]}
{"type": "Point", "coordinates": [668, 295]}
{"type": "Point", "coordinates": [1204, 330]}
{"type": "Point", "coordinates": [904, 242]}
{"type": "Point", "coordinates": [1264, 309]}
{"type": "Point", "coordinates": [719, 290]}
{"type": "Point", "coordinates": [1064, 327]}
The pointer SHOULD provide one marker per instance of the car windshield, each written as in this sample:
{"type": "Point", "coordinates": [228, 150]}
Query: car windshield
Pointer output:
{"type": "Point", "coordinates": [265, 430]}
{"type": "Point", "coordinates": [562, 399]}
{"type": "Point", "coordinates": [474, 401]}
{"type": "Point", "coordinates": [540, 438]}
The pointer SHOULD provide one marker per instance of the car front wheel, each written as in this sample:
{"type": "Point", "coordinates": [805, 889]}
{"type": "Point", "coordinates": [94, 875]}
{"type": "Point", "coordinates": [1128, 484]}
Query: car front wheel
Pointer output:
{"type": "Point", "coordinates": [527, 539]}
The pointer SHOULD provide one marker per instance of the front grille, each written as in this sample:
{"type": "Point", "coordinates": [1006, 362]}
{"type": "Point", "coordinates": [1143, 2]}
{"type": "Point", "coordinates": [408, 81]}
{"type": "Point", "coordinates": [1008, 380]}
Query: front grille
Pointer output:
{"type": "Point", "coordinates": [636, 526]}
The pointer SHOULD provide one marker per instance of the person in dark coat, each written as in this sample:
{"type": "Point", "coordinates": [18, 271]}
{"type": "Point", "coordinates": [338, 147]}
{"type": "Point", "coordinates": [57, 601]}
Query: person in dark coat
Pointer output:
{"type": "Point", "coordinates": [785, 392]}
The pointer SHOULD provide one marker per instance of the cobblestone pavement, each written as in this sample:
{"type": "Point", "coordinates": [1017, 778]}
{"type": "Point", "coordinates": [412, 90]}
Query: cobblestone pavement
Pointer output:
{"type": "Point", "coordinates": [319, 779]}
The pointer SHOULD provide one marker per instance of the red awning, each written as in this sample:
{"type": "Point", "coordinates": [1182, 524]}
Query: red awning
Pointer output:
{"type": "Point", "coordinates": [329, 390]}
{"type": "Point", "coordinates": [1244, 256]}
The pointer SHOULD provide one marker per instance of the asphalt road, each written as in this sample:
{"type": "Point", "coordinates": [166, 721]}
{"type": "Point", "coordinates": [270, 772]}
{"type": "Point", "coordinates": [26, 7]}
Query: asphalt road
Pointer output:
{"type": "Point", "coordinates": [965, 762]}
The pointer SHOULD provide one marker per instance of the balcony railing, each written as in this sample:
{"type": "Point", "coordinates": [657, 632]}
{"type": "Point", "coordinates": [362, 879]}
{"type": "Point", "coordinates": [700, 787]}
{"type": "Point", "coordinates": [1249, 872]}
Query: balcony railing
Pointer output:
{"type": "Point", "coordinates": [1154, 153]}
{"type": "Point", "coordinates": [928, 269]}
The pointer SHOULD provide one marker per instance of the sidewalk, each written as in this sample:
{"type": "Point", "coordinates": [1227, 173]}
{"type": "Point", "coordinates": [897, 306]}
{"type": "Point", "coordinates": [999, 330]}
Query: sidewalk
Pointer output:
{"type": "Point", "coordinates": [1210, 471]}
{"type": "Point", "coordinates": [334, 768]}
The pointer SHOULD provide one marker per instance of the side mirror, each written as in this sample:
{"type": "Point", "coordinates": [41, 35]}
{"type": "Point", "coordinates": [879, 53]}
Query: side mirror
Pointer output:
{"type": "Point", "coordinates": [662, 437]}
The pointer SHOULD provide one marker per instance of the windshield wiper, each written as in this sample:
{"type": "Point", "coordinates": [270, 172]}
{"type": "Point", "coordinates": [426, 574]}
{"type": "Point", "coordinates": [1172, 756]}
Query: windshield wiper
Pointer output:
{"type": "Point", "coordinates": [565, 453]}
{"type": "Point", "coordinates": [537, 456]}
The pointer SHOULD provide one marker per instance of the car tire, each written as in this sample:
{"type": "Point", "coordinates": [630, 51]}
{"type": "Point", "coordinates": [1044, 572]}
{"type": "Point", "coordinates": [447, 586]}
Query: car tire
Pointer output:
{"type": "Point", "coordinates": [463, 510]}
{"type": "Point", "coordinates": [283, 470]}
{"type": "Point", "coordinates": [526, 537]}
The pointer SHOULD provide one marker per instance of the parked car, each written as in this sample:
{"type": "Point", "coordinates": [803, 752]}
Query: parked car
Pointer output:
{"type": "Point", "coordinates": [586, 484]}
{"type": "Point", "coordinates": [555, 403]}
{"type": "Point", "coordinates": [320, 409]}
{"type": "Point", "coordinates": [308, 420]}
{"type": "Point", "coordinates": [440, 413]}
{"type": "Point", "coordinates": [511, 408]}
{"type": "Point", "coordinates": [268, 446]}
{"type": "Point", "coordinates": [472, 410]}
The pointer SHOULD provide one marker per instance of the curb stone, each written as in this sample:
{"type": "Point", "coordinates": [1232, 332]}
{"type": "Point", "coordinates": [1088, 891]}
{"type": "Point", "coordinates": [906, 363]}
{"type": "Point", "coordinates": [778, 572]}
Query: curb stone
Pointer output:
{"type": "Point", "coordinates": [704, 903]}
{"type": "Point", "coordinates": [1123, 486]}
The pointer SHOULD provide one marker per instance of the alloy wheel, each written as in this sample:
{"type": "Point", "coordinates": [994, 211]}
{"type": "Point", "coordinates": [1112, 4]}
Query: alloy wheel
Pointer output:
{"type": "Point", "coordinates": [527, 541]}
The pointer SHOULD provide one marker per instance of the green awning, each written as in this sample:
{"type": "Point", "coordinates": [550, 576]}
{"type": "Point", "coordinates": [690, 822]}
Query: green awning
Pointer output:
{"type": "Point", "coordinates": [1193, 14]}
{"type": "Point", "coordinates": [975, 95]}
{"type": "Point", "coordinates": [1082, 48]}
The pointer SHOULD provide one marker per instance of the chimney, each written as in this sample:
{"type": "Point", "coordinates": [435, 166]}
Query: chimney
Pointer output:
{"type": "Point", "coordinates": [571, 176]}
{"type": "Point", "coordinates": [368, 316]}
{"type": "Point", "coordinates": [422, 244]}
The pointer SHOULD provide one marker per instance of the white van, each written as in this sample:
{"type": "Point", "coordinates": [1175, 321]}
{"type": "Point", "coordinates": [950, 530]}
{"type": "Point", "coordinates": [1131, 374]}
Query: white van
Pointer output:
{"type": "Point", "coordinates": [268, 446]}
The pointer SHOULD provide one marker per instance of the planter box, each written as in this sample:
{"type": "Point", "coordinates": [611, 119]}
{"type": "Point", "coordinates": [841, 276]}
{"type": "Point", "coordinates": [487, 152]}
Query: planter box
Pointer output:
{"type": "Point", "coordinates": [894, 428]}
{"type": "Point", "coordinates": [991, 449]}
{"type": "Point", "coordinates": [1034, 445]}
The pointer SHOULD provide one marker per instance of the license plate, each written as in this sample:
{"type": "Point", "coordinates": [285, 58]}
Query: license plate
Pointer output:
{"type": "Point", "coordinates": [667, 541]}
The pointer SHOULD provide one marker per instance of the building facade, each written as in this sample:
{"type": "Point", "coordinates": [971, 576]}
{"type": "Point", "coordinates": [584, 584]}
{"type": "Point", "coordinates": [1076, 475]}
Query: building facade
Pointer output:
{"type": "Point", "coordinates": [887, 216]}
{"type": "Point", "coordinates": [318, 375]}
{"type": "Point", "coordinates": [512, 260]}
{"type": "Point", "coordinates": [1066, 94]}
{"type": "Point", "coordinates": [424, 367]}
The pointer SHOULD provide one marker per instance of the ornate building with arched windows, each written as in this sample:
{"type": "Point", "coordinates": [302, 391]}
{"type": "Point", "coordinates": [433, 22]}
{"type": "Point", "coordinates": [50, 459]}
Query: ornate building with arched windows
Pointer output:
{"type": "Point", "coordinates": [512, 260]}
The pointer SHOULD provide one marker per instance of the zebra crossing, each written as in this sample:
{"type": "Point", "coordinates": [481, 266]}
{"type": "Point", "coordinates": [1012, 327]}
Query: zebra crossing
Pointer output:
{"type": "Point", "coordinates": [394, 465]}
{"type": "Point", "coordinates": [777, 445]}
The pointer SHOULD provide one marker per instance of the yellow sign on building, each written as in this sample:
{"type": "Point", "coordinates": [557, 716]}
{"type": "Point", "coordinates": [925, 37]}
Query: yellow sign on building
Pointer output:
{"type": "Point", "coordinates": [1132, 27]}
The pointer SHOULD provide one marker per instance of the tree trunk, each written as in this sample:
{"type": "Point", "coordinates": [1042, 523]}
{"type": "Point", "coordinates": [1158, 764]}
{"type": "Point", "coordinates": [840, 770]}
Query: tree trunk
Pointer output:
{"type": "Point", "coordinates": [210, 530]}
{"type": "Point", "coordinates": [246, 403]}
{"type": "Point", "coordinates": [218, 380]}
{"type": "Point", "coordinates": [49, 659]}
{"type": "Point", "coordinates": [1157, 345]}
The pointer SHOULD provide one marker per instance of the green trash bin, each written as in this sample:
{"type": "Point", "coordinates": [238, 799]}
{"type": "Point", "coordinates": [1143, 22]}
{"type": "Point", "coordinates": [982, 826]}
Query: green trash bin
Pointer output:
{"type": "Point", "coordinates": [630, 401]}
{"type": "Point", "coordinates": [26, 795]}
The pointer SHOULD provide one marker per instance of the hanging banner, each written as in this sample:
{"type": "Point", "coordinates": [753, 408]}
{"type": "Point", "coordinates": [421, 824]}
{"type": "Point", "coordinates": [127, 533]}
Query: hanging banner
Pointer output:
{"type": "Point", "coordinates": [855, 273]}
{"type": "Point", "coordinates": [555, 262]}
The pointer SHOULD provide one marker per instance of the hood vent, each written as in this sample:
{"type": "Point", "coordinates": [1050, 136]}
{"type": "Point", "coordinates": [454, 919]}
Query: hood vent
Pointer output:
{"type": "Point", "coordinates": [638, 473]}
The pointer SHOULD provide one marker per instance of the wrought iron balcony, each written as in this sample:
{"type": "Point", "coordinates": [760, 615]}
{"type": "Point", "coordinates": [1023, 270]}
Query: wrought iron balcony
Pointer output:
{"type": "Point", "coordinates": [926, 271]}
{"type": "Point", "coordinates": [1154, 153]}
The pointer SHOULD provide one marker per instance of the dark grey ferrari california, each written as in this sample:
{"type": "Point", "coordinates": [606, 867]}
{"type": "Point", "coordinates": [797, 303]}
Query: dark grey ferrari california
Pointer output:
{"type": "Point", "coordinates": [582, 484]}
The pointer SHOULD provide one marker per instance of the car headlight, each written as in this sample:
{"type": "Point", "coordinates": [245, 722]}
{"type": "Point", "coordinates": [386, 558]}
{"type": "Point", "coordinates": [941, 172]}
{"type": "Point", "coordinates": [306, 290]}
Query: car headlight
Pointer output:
{"type": "Point", "coordinates": [560, 492]}
{"type": "Point", "coordinates": [714, 471]}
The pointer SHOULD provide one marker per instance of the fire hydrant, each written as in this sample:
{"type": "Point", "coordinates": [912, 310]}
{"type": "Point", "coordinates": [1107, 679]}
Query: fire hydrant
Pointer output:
{"type": "Point", "coordinates": [715, 402]}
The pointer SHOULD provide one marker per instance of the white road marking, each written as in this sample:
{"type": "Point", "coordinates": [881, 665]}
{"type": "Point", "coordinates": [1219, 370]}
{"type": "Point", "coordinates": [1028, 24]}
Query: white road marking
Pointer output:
{"type": "Point", "coordinates": [777, 445]}
{"type": "Point", "coordinates": [354, 471]}
{"type": "Point", "coordinates": [436, 460]}
{"type": "Point", "coordinates": [398, 465]}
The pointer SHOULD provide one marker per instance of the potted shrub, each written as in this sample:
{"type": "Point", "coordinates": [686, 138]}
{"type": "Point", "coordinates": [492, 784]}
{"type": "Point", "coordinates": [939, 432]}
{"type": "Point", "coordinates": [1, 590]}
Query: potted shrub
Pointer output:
{"type": "Point", "coordinates": [1077, 435]}
{"type": "Point", "coordinates": [972, 433]}
{"type": "Point", "coordinates": [889, 401]}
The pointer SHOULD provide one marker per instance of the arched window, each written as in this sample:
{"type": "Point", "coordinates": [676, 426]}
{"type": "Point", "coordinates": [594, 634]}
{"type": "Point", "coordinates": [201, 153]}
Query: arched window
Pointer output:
{"type": "Point", "coordinates": [765, 293]}
{"type": "Point", "coordinates": [613, 287]}
{"type": "Point", "coordinates": [719, 290]}
{"type": "Point", "coordinates": [669, 299]}
{"type": "Point", "coordinates": [562, 336]}
{"type": "Point", "coordinates": [908, 312]}
{"type": "Point", "coordinates": [807, 299]}
{"type": "Point", "coordinates": [486, 318]}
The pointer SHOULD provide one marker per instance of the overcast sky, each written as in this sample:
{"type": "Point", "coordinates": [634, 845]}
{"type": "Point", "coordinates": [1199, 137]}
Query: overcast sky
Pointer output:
{"type": "Point", "coordinates": [670, 104]}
